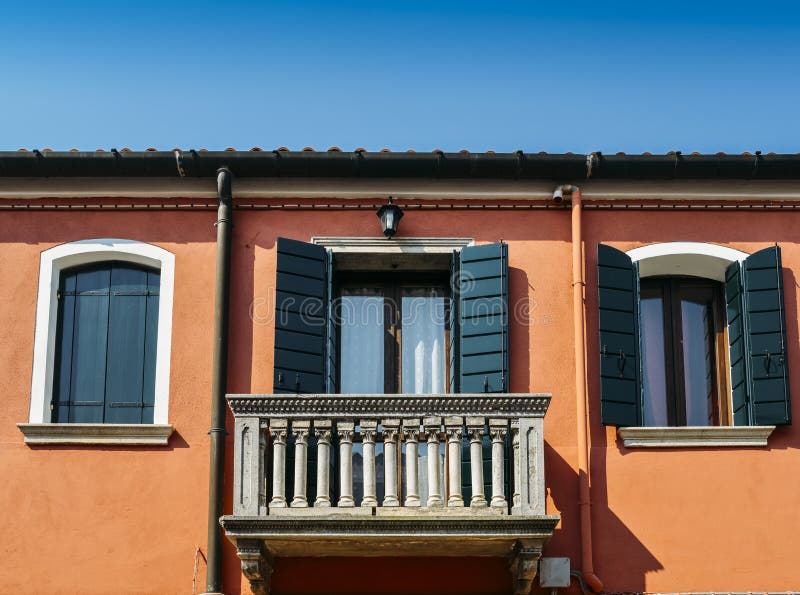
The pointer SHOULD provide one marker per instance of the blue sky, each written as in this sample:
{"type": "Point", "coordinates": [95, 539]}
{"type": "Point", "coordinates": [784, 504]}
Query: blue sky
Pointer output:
{"type": "Point", "coordinates": [536, 76]}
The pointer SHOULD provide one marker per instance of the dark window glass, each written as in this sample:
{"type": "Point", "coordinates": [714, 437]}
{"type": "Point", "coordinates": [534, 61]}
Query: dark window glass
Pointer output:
{"type": "Point", "coordinates": [682, 329]}
{"type": "Point", "coordinates": [106, 344]}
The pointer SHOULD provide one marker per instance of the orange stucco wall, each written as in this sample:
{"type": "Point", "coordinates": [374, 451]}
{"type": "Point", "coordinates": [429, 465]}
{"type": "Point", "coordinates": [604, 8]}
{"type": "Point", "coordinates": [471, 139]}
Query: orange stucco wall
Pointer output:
{"type": "Point", "coordinates": [102, 520]}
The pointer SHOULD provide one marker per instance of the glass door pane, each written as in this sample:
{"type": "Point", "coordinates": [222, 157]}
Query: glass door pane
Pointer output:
{"type": "Point", "coordinates": [361, 334]}
{"type": "Point", "coordinates": [423, 341]}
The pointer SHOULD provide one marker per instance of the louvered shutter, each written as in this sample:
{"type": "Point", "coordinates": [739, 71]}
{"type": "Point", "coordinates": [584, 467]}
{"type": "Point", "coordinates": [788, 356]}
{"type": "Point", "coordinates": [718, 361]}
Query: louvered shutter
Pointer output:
{"type": "Point", "coordinates": [482, 302]}
{"type": "Point", "coordinates": [453, 322]}
{"type": "Point", "coordinates": [734, 305]}
{"type": "Point", "coordinates": [301, 318]}
{"type": "Point", "coordinates": [765, 327]}
{"type": "Point", "coordinates": [331, 375]}
{"type": "Point", "coordinates": [620, 385]}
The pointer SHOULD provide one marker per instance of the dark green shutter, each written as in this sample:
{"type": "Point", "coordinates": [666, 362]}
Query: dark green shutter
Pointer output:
{"type": "Point", "coordinates": [127, 358]}
{"type": "Point", "coordinates": [765, 327]}
{"type": "Point", "coordinates": [301, 319]}
{"type": "Point", "coordinates": [331, 372]}
{"type": "Point", "coordinates": [620, 384]}
{"type": "Point", "coordinates": [734, 305]}
{"type": "Point", "coordinates": [106, 344]}
{"type": "Point", "coordinates": [482, 302]}
{"type": "Point", "coordinates": [453, 322]}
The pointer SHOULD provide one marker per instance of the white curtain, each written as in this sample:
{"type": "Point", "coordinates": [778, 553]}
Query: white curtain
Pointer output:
{"type": "Point", "coordinates": [362, 344]}
{"type": "Point", "coordinates": [423, 345]}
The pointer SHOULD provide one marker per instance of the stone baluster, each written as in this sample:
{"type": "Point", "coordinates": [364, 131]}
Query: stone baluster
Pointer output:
{"type": "Point", "coordinates": [369, 430]}
{"type": "Point", "coordinates": [322, 431]}
{"type": "Point", "coordinates": [497, 431]}
{"type": "Point", "coordinates": [475, 426]}
{"type": "Point", "coordinates": [515, 498]}
{"type": "Point", "coordinates": [300, 431]}
{"type": "Point", "coordinates": [391, 431]}
{"type": "Point", "coordinates": [344, 431]}
{"type": "Point", "coordinates": [278, 429]}
{"type": "Point", "coordinates": [454, 427]}
{"type": "Point", "coordinates": [411, 431]}
{"type": "Point", "coordinates": [432, 427]}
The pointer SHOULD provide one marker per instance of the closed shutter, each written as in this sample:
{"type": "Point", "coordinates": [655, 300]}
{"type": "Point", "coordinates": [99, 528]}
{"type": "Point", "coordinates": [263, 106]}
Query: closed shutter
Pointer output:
{"type": "Point", "coordinates": [482, 302]}
{"type": "Point", "coordinates": [734, 305]}
{"type": "Point", "coordinates": [766, 338]}
{"type": "Point", "coordinates": [301, 318]}
{"type": "Point", "coordinates": [106, 344]}
{"type": "Point", "coordinates": [132, 313]}
{"type": "Point", "coordinates": [620, 385]}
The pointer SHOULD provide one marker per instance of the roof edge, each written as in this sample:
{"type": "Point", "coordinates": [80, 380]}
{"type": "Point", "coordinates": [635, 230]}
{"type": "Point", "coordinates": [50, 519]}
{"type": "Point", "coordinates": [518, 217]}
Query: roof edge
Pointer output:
{"type": "Point", "coordinates": [362, 164]}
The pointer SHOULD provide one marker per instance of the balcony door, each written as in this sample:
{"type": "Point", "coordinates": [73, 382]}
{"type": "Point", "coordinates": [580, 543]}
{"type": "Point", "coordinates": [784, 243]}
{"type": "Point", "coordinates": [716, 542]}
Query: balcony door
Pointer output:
{"type": "Point", "coordinates": [393, 334]}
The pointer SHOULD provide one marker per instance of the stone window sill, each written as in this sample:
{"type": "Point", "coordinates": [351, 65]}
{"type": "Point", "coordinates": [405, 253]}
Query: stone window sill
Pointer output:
{"type": "Point", "coordinates": [695, 436]}
{"type": "Point", "coordinates": [109, 434]}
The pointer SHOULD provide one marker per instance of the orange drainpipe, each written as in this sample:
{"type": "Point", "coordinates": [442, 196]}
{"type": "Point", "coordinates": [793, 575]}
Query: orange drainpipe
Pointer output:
{"type": "Point", "coordinates": [578, 306]}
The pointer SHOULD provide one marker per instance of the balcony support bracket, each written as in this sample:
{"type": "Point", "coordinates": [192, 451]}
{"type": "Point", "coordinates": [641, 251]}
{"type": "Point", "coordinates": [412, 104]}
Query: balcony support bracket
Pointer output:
{"type": "Point", "coordinates": [256, 564]}
{"type": "Point", "coordinates": [524, 564]}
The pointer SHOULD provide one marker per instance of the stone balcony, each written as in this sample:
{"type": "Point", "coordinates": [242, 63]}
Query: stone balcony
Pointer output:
{"type": "Point", "coordinates": [350, 475]}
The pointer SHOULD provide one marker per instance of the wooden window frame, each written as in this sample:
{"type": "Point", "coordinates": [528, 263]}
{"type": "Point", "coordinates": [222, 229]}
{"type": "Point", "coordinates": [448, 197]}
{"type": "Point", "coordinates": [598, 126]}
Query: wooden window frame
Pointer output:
{"type": "Point", "coordinates": [671, 289]}
{"type": "Point", "coordinates": [392, 286]}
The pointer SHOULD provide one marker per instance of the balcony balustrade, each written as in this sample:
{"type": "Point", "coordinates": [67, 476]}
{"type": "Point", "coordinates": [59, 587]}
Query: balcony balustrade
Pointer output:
{"type": "Point", "coordinates": [386, 475]}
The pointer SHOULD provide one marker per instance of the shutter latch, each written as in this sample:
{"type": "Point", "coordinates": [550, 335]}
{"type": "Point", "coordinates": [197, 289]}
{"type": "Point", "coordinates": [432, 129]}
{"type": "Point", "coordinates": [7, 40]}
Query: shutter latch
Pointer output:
{"type": "Point", "coordinates": [621, 363]}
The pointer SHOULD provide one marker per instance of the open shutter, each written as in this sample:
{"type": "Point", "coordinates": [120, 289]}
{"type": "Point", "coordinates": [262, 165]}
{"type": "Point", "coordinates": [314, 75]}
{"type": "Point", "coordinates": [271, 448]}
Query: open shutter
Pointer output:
{"type": "Point", "coordinates": [482, 302]}
{"type": "Point", "coordinates": [734, 306]}
{"type": "Point", "coordinates": [453, 322]}
{"type": "Point", "coordinates": [301, 320]}
{"type": "Point", "coordinates": [620, 385]}
{"type": "Point", "coordinates": [331, 385]}
{"type": "Point", "coordinates": [768, 382]}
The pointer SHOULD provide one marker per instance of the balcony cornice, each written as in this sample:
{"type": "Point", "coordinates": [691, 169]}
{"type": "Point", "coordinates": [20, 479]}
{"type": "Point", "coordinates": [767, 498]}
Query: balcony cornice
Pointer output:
{"type": "Point", "coordinates": [303, 406]}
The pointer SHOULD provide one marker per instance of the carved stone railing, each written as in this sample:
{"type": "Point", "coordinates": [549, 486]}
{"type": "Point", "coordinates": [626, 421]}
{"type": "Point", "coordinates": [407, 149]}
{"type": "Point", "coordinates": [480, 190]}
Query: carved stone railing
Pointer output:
{"type": "Point", "coordinates": [506, 429]}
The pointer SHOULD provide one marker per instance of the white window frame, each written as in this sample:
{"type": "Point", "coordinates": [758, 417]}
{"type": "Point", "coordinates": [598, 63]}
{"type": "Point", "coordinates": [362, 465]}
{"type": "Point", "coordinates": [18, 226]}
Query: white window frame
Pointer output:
{"type": "Point", "coordinates": [52, 262]}
{"type": "Point", "coordinates": [695, 259]}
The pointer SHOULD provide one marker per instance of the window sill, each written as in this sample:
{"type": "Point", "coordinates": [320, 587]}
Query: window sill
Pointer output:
{"type": "Point", "coordinates": [110, 434]}
{"type": "Point", "coordinates": [695, 436]}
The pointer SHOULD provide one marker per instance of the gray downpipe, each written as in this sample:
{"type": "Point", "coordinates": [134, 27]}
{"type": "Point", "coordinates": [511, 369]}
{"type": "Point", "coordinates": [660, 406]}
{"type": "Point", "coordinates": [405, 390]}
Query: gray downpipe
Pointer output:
{"type": "Point", "coordinates": [219, 380]}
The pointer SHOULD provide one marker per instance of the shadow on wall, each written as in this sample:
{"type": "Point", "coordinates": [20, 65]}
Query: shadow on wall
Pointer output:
{"type": "Point", "coordinates": [519, 328]}
{"type": "Point", "coordinates": [633, 558]}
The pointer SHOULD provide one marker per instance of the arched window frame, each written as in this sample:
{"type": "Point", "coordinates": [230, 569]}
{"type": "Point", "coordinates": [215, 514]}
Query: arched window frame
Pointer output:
{"type": "Point", "coordinates": [693, 259]}
{"type": "Point", "coordinates": [64, 256]}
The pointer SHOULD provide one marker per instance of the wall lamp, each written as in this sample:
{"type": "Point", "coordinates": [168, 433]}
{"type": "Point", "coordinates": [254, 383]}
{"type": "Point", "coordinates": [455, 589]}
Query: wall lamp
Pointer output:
{"type": "Point", "coordinates": [390, 216]}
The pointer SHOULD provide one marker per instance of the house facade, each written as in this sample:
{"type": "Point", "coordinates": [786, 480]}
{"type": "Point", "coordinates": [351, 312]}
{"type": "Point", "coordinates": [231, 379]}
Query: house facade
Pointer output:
{"type": "Point", "coordinates": [225, 374]}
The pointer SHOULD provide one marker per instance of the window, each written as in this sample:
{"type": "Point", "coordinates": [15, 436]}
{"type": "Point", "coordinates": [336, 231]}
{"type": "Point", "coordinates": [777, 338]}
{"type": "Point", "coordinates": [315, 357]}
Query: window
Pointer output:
{"type": "Point", "coordinates": [393, 315]}
{"type": "Point", "coordinates": [671, 354]}
{"type": "Point", "coordinates": [81, 360]}
{"type": "Point", "coordinates": [106, 344]}
{"type": "Point", "coordinates": [683, 352]}
{"type": "Point", "coordinates": [393, 333]}
{"type": "Point", "coordinates": [425, 323]}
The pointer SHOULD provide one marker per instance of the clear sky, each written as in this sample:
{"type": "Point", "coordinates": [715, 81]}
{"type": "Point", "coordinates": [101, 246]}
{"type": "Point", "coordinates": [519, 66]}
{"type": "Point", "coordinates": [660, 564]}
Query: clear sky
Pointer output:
{"type": "Point", "coordinates": [537, 76]}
